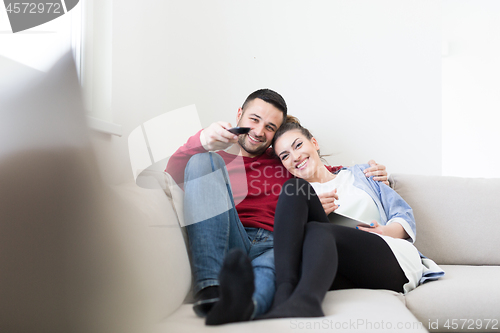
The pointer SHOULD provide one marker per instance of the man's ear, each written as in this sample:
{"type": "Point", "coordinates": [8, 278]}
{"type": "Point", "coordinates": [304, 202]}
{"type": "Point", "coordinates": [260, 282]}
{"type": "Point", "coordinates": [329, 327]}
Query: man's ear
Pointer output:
{"type": "Point", "coordinates": [238, 115]}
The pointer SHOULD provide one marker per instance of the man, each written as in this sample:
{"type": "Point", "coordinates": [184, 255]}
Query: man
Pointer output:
{"type": "Point", "coordinates": [229, 203]}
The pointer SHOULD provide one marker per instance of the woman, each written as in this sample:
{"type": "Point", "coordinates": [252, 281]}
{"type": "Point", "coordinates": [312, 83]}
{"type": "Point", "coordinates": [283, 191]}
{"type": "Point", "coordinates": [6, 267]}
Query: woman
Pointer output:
{"type": "Point", "coordinates": [312, 255]}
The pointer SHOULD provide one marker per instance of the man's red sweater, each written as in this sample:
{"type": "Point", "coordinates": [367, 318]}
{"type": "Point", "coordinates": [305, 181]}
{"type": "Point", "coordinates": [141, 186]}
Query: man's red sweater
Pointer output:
{"type": "Point", "coordinates": [256, 182]}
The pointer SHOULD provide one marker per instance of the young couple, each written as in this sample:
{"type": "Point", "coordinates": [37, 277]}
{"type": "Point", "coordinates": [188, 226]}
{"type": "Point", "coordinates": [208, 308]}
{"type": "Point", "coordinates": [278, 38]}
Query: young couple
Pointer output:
{"type": "Point", "coordinates": [239, 225]}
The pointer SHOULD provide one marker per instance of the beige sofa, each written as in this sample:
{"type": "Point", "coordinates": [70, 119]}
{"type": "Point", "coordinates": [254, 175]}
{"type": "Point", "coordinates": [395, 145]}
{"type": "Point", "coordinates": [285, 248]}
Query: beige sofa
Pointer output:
{"type": "Point", "coordinates": [458, 223]}
{"type": "Point", "coordinates": [77, 255]}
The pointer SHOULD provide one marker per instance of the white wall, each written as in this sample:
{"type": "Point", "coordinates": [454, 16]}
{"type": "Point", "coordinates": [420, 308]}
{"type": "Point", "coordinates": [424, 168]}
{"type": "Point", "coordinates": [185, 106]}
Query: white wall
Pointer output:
{"type": "Point", "coordinates": [471, 88]}
{"type": "Point", "coordinates": [364, 76]}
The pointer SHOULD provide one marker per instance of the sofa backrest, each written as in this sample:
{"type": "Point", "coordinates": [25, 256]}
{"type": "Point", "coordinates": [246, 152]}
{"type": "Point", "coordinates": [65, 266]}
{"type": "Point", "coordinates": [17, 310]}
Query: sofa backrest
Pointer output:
{"type": "Point", "coordinates": [458, 219]}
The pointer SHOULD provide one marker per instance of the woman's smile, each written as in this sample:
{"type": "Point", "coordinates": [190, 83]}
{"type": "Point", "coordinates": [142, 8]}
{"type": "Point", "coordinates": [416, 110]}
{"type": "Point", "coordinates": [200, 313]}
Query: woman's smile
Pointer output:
{"type": "Point", "coordinates": [302, 164]}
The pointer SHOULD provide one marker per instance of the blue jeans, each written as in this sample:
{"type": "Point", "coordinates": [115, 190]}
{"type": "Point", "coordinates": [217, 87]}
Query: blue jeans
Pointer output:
{"type": "Point", "coordinates": [213, 228]}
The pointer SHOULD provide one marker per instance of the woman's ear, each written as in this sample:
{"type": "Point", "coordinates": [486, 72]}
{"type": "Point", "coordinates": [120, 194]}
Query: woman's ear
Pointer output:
{"type": "Point", "coordinates": [315, 143]}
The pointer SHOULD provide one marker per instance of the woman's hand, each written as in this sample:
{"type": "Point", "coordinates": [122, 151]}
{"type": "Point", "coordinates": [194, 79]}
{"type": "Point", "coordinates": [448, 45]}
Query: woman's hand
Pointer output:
{"type": "Point", "coordinates": [328, 201]}
{"type": "Point", "coordinates": [374, 227]}
{"type": "Point", "coordinates": [378, 172]}
{"type": "Point", "coordinates": [394, 230]}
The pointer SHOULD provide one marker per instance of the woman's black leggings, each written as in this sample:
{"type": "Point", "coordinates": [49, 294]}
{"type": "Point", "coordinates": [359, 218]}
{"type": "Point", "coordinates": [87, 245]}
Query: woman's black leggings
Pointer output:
{"type": "Point", "coordinates": [313, 256]}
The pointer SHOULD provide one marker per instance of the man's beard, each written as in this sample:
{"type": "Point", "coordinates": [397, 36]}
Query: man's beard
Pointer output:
{"type": "Point", "coordinates": [258, 151]}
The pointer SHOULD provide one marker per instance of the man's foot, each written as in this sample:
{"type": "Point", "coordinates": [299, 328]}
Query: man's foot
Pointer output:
{"type": "Point", "coordinates": [205, 300]}
{"type": "Point", "coordinates": [236, 289]}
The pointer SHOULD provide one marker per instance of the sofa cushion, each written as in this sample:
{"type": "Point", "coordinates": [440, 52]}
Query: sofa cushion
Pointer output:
{"type": "Point", "coordinates": [354, 310]}
{"type": "Point", "coordinates": [466, 294]}
{"type": "Point", "coordinates": [458, 219]}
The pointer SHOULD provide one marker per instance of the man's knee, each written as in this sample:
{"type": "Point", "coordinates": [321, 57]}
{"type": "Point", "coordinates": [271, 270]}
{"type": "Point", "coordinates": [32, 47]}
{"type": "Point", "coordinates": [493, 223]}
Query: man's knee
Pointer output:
{"type": "Point", "coordinates": [203, 164]}
{"type": "Point", "coordinates": [202, 159]}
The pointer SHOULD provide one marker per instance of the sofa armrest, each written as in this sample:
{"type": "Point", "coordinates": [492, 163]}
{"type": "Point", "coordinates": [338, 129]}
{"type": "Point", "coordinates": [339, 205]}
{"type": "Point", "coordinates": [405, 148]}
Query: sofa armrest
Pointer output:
{"type": "Point", "coordinates": [154, 179]}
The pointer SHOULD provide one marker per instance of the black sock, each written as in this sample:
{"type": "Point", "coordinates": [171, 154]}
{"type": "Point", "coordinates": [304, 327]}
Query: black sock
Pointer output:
{"type": "Point", "coordinates": [208, 293]}
{"type": "Point", "coordinates": [236, 289]}
{"type": "Point", "coordinates": [283, 292]}
{"type": "Point", "coordinates": [205, 300]}
{"type": "Point", "coordinates": [296, 306]}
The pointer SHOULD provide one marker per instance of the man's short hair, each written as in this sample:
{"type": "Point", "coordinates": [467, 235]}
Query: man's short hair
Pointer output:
{"type": "Point", "coordinates": [268, 96]}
